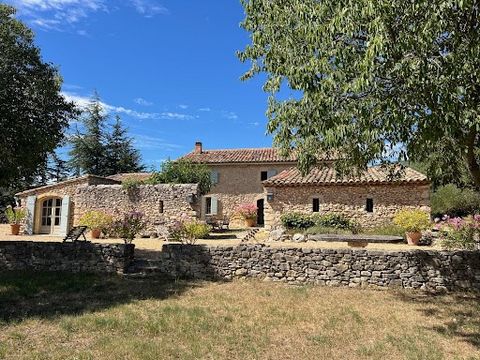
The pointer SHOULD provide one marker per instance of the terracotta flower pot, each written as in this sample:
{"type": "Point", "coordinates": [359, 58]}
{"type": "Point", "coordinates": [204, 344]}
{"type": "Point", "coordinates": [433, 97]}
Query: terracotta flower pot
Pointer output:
{"type": "Point", "coordinates": [96, 233]}
{"type": "Point", "coordinates": [15, 228]}
{"type": "Point", "coordinates": [413, 238]}
{"type": "Point", "coordinates": [249, 222]}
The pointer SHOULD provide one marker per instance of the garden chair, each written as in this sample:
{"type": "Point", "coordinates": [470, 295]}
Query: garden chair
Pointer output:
{"type": "Point", "coordinates": [75, 233]}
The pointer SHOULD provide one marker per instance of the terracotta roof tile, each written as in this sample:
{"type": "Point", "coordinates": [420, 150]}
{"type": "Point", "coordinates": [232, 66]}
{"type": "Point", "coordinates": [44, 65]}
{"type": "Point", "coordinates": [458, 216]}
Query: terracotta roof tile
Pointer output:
{"type": "Point", "coordinates": [238, 156]}
{"type": "Point", "coordinates": [328, 176]}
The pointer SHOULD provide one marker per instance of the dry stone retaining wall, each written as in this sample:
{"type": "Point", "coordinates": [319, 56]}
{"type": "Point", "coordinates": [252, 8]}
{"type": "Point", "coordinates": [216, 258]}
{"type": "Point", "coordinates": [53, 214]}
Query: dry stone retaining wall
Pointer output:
{"type": "Point", "coordinates": [417, 269]}
{"type": "Point", "coordinates": [69, 257]}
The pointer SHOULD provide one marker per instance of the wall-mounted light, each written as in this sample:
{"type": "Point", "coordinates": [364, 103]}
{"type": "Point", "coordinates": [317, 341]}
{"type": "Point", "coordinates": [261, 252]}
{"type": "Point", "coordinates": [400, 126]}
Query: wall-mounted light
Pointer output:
{"type": "Point", "coordinates": [191, 198]}
{"type": "Point", "coordinates": [270, 196]}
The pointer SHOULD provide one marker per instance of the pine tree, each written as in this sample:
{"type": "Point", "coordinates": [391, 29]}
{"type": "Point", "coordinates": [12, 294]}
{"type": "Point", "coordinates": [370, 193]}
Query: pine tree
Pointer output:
{"type": "Point", "coordinates": [57, 168]}
{"type": "Point", "coordinates": [89, 153]}
{"type": "Point", "coordinates": [122, 157]}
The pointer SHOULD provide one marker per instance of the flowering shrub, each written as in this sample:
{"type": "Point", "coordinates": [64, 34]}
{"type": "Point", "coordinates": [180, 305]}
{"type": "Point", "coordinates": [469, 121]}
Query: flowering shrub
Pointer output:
{"type": "Point", "coordinates": [128, 226]}
{"type": "Point", "coordinates": [463, 233]}
{"type": "Point", "coordinates": [295, 220]}
{"type": "Point", "coordinates": [189, 231]}
{"type": "Point", "coordinates": [247, 211]}
{"type": "Point", "coordinates": [15, 216]}
{"type": "Point", "coordinates": [412, 220]}
{"type": "Point", "coordinates": [96, 220]}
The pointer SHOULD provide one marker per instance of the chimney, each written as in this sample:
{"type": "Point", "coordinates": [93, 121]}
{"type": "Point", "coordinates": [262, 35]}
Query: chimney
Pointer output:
{"type": "Point", "coordinates": [198, 147]}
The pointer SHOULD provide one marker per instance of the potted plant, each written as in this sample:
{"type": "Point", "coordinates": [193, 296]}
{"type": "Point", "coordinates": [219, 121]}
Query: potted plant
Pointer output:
{"type": "Point", "coordinates": [249, 213]}
{"type": "Point", "coordinates": [128, 226]}
{"type": "Point", "coordinates": [412, 222]}
{"type": "Point", "coordinates": [97, 222]}
{"type": "Point", "coordinates": [15, 217]}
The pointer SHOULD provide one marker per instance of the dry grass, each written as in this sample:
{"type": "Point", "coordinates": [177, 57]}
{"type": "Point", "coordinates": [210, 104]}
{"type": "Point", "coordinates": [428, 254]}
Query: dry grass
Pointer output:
{"type": "Point", "coordinates": [58, 316]}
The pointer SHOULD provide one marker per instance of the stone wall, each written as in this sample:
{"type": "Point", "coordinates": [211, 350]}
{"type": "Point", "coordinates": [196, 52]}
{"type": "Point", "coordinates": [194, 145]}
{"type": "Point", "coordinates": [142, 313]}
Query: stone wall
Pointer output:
{"type": "Point", "coordinates": [70, 257]}
{"type": "Point", "coordinates": [163, 203]}
{"type": "Point", "coordinates": [347, 200]}
{"type": "Point", "coordinates": [239, 184]}
{"type": "Point", "coordinates": [417, 269]}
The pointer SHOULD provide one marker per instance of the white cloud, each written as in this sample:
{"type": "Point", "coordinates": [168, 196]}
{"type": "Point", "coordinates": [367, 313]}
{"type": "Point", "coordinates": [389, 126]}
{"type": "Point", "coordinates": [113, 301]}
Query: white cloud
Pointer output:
{"type": "Point", "coordinates": [149, 8]}
{"type": "Point", "coordinates": [146, 142]}
{"type": "Point", "coordinates": [54, 14]}
{"type": "Point", "coordinates": [230, 115]}
{"type": "Point", "coordinates": [83, 101]}
{"type": "Point", "coordinates": [183, 106]}
{"type": "Point", "coordinates": [143, 102]}
{"type": "Point", "coordinates": [205, 109]}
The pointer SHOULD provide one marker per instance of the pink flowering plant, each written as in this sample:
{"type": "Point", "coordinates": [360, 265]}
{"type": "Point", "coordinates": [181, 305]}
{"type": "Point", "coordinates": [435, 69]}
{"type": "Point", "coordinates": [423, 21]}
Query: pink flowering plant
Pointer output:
{"type": "Point", "coordinates": [247, 211]}
{"type": "Point", "coordinates": [459, 233]}
{"type": "Point", "coordinates": [128, 226]}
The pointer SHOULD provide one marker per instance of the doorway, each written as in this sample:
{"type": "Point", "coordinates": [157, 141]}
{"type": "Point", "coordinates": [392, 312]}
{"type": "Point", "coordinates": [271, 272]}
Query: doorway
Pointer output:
{"type": "Point", "coordinates": [260, 212]}
{"type": "Point", "coordinates": [51, 216]}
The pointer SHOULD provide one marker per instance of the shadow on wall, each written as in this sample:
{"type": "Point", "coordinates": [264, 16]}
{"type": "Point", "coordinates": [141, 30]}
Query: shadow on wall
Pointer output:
{"type": "Point", "coordinates": [48, 295]}
{"type": "Point", "coordinates": [457, 313]}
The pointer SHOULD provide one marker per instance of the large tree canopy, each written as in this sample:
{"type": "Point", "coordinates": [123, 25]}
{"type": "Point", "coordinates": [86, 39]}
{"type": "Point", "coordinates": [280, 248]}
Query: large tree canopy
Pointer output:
{"type": "Point", "coordinates": [373, 80]}
{"type": "Point", "coordinates": [33, 113]}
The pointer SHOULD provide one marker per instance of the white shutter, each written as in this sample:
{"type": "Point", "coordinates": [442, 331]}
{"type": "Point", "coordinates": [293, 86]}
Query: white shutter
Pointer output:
{"type": "Point", "coordinates": [30, 220]}
{"type": "Point", "coordinates": [214, 205]}
{"type": "Point", "coordinates": [65, 216]}
{"type": "Point", "coordinates": [271, 173]}
{"type": "Point", "coordinates": [204, 206]}
{"type": "Point", "coordinates": [214, 177]}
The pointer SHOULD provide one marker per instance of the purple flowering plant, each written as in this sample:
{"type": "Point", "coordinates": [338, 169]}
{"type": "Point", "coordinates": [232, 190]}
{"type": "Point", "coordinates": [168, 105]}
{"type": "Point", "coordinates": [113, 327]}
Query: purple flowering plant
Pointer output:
{"type": "Point", "coordinates": [128, 226]}
{"type": "Point", "coordinates": [457, 232]}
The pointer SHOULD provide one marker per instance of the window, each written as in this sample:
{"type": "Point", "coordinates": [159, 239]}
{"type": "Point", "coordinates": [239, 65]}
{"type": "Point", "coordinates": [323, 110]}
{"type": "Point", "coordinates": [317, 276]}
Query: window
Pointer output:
{"type": "Point", "coordinates": [214, 176]}
{"type": "Point", "coordinates": [369, 206]}
{"type": "Point", "coordinates": [208, 205]}
{"type": "Point", "coordinates": [316, 205]}
{"type": "Point", "coordinates": [264, 175]}
{"type": "Point", "coordinates": [160, 207]}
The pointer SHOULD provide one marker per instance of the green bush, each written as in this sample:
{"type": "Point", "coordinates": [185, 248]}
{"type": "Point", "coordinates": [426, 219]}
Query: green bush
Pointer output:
{"type": "Point", "coordinates": [183, 172]}
{"type": "Point", "coordinates": [326, 230]}
{"type": "Point", "coordinates": [412, 220]}
{"type": "Point", "coordinates": [337, 221]}
{"type": "Point", "coordinates": [387, 229]}
{"type": "Point", "coordinates": [452, 201]}
{"type": "Point", "coordinates": [189, 231]}
{"type": "Point", "coordinates": [297, 220]}
{"type": "Point", "coordinates": [15, 216]}
{"type": "Point", "coordinates": [131, 184]}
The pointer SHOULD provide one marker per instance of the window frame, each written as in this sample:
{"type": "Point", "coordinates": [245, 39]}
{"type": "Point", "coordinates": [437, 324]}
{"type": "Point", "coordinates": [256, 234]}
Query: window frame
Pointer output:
{"type": "Point", "coordinates": [369, 205]}
{"type": "Point", "coordinates": [316, 205]}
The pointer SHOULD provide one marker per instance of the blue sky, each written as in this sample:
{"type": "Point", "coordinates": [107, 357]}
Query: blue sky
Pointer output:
{"type": "Point", "coordinates": [168, 68]}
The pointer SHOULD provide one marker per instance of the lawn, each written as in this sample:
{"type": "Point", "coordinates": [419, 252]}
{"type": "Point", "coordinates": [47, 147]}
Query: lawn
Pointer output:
{"type": "Point", "coordinates": [64, 316]}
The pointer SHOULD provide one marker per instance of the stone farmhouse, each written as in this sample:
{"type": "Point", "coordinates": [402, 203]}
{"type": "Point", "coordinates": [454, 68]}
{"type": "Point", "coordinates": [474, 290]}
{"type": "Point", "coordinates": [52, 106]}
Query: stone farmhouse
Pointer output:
{"type": "Point", "coordinates": [259, 176]}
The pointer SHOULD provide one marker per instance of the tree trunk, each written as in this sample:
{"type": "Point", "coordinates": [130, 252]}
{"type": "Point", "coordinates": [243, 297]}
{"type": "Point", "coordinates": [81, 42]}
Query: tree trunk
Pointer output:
{"type": "Point", "coordinates": [472, 162]}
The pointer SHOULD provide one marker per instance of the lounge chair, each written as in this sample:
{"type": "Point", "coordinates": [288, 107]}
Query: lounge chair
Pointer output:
{"type": "Point", "coordinates": [75, 233]}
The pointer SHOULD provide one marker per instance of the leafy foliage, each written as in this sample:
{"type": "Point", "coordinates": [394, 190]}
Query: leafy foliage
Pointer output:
{"type": "Point", "coordinates": [183, 172]}
{"type": "Point", "coordinates": [336, 221]}
{"type": "Point", "coordinates": [453, 201]}
{"type": "Point", "coordinates": [188, 231]}
{"type": "Point", "coordinates": [15, 216]}
{"type": "Point", "coordinates": [96, 220]}
{"type": "Point", "coordinates": [295, 220]}
{"type": "Point", "coordinates": [374, 81]}
{"type": "Point", "coordinates": [131, 183]}
{"type": "Point", "coordinates": [128, 226]}
{"type": "Point", "coordinates": [412, 220]}
{"type": "Point", "coordinates": [458, 233]}
{"type": "Point", "coordinates": [33, 112]}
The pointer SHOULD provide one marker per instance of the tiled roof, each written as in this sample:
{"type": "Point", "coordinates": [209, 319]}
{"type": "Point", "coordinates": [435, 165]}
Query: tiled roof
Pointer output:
{"type": "Point", "coordinates": [238, 156]}
{"type": "Point", "coordinates": [140, 176]}
{"type": "Point", "coordinates": [328, 176]}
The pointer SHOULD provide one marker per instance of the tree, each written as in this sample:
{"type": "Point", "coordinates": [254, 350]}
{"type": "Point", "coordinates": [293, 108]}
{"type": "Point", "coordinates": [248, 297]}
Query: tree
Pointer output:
{"type": "Point", "coordinates": [122, 157]}
{"type": "Point", "coordinates": [183, 172]}
{"type": "Point", "coordinates": [374, 81]}
{"type": "Point", "coordinates": [33, 113]}
{"type": "Point", "coordinates": [89, 152]}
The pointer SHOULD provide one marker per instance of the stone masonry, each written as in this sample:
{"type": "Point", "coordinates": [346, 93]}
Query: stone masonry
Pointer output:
{"type": "Point", "coordinates": [69, 257]}
{"type": "Point", "coordinates": [347, 200]}
{"type": "Point", "coordinates": [416, 269]}
{"type": "Point", "coordinates": [161, 204]}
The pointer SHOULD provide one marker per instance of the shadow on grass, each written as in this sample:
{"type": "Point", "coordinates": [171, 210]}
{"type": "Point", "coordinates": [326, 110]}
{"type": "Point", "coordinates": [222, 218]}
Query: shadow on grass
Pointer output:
{"type": "Point", "coordinates": [457, 314]}
{"type": "Point", "coordinates": [47, 295]}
